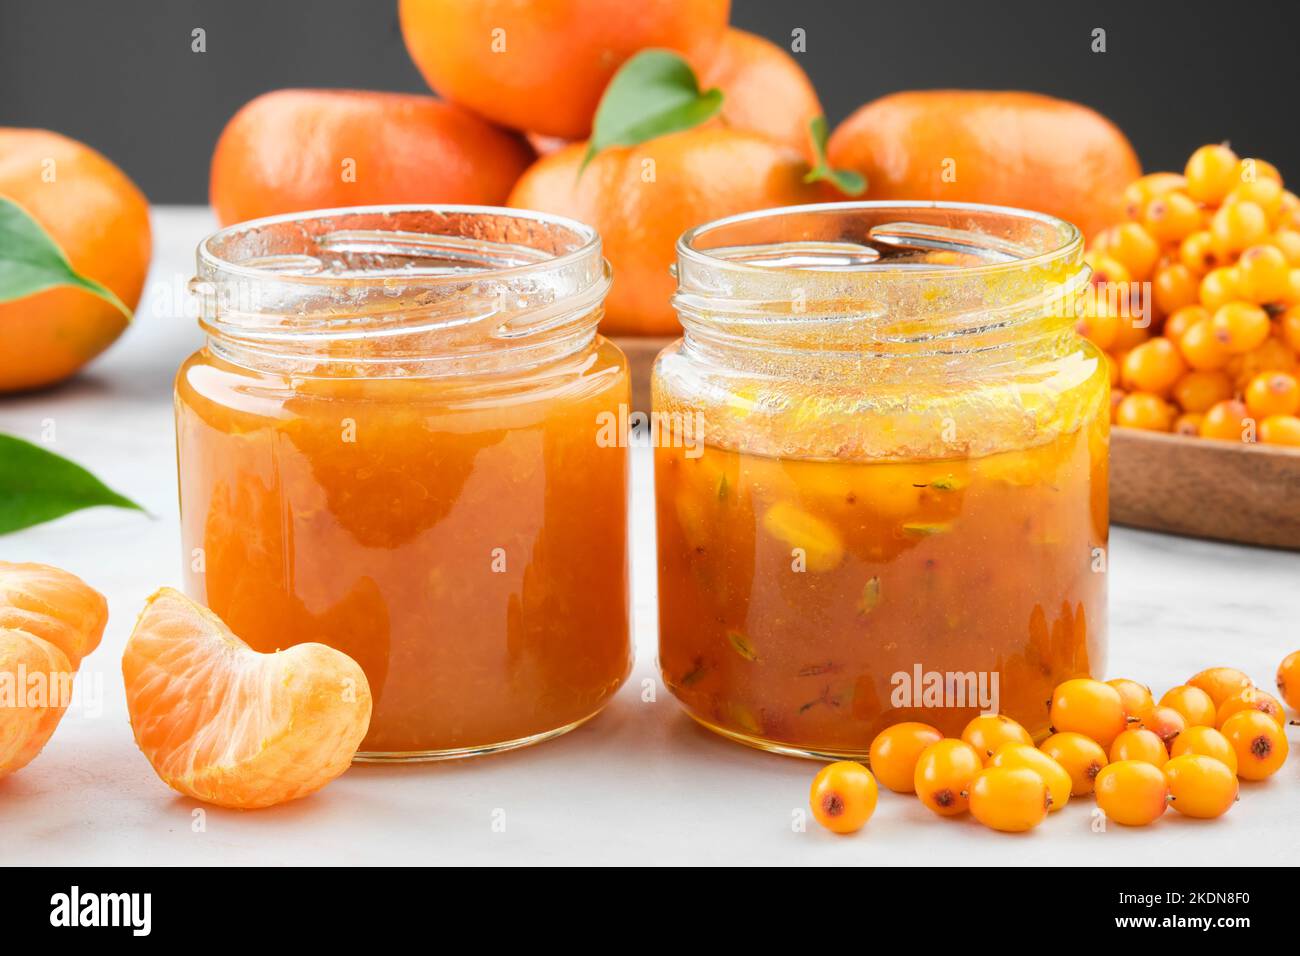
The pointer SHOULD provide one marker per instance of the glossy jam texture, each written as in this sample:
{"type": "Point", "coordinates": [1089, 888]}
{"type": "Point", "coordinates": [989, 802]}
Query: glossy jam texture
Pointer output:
{"type": "Point", "coordinates": [464, 540]}
{"type": "Point", "coordinates": [801, 600]}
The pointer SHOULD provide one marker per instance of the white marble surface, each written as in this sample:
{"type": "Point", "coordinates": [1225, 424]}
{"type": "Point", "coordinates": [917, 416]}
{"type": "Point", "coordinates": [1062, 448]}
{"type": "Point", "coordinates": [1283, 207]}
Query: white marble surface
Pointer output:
{"type": "Point", "coordinates": [641, 784]}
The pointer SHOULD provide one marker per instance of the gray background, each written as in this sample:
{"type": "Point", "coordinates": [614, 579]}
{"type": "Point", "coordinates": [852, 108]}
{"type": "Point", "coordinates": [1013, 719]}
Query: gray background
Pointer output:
{"type": "Point", "coordinates": [120, 75]}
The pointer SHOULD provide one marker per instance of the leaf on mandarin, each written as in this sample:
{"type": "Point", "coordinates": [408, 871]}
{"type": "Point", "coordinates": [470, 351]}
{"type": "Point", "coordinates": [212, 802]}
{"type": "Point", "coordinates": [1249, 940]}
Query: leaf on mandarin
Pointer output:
{"type": "Point", "coordinates": [845, 180]}
{"type": "Point", "coordinates": [31, 261]}
{"type": "Point", "coordinates": [654, 93]}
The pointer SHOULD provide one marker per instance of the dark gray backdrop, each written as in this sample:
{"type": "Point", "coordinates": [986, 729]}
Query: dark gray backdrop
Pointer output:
{"type": "Point", "coordinates": [119, 74]}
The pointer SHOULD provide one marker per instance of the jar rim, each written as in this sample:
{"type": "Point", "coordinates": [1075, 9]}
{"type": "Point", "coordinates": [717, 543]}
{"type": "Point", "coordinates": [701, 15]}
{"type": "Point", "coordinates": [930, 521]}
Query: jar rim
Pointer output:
{"type": "Point", "coordinates": [1069, 235]}
{"type": "Point", "coordinates": [207, 256]}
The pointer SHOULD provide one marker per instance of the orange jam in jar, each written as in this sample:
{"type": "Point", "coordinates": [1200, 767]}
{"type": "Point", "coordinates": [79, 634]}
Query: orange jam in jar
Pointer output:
{"type": "Point", "coordinates": [894, 506]}
{"type": "Point", "coordinates": [389, 444]}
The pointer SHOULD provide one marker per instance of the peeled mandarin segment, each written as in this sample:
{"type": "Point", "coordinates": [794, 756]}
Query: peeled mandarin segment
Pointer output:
{"type": "Point", "coordinates": [225, 724]}
{"type": "Point", "coordinates": [35, 681]}
{"type": "Point", "coordinates": [54, 605]}
{"type": "Point", "coordinates": [820, 543]}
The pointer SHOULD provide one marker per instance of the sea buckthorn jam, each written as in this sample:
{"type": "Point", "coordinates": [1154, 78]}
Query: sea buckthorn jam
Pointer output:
{"type": "Point", "coordinates": [389, 445]}
{"type": "Point", "coordinates": [897, 507]}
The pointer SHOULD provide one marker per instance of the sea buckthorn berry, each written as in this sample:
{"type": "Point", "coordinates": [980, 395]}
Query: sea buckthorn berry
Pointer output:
{"type": "Point", "coordinates": [1287, 242]}
{"type": "Point", "coordinates": [1154, 366]}
{"type": "Point", "coordinates": [1211, 172]}
{"type": "Point", "coordinates": [1137, 743]}
{"type": "Point", "coordinates": [1237, 226]}
{"type": "Point", "coordinates": [1273, 393]}
{"type": "Point", "coordinates": [987, 732]}
{"type": "Point", "coordinates": [1262, 274]}
{"type": "Point", "coordinates": [1166, 723]}
{"type": "Point", "coordinates": [843, 796]}
{"type": "Point", "coordinates": [1088, 707]}
{"type": "Point", "coordinates": [1251, 698]}
{"type": "Point", "coordinates": [1201, 350]}
{"type": "Point", "coordinates": [1264, 193]}
{"type": "Point", "coordinates": [1130, 333]}
{"type": "Point", "coordinates": [1252, 169]}
{"type": "Point", "coordinates": [1193, 703]}
{"type": "Point", "coordinates": [1146, 188]}
{"type": "Point", "coordinates": [1206, 741]}
{"type": "Point", "coordinates": [895, 751]}
{"type": "Point", "coordinates": [1240, 326]}
{"type": "Point", "coordinates": [1112, 370]}
{"type": "Point", "coordinates": [1228, 421]}
{"type": "Point", "coordinates": [1188, 424]}
{"type": "Point", "coordinates": [944, 773]}
{"type": "Point", "coordinates": [1054, 775]}
{"type": "Point", "coordinates": [1132, 792]}
{"type": "Point", "coordinates": [1100, 325]}
{"type": "Point", "coordinates": [1289, 327]}
{"type": "Point", "coordinates": [1136, 697]}
{"type": "Point", "coordinates": [1199, 391]}
{"type": "Point", "coordinates": [1183, 319]}
{"type": "Point", "coordinates": [1197, 253]}
{"type": "Point", "coordinates": [1280, 430]}
{"type": "Point", "coordinates": [1082, 757]}
{"type": "Point", "coordinates": [1288, 679]}
{"type": "Point", "coordinates": [1200, 786]}
{"type": "Point", "coordinates": [1219, 287]}
{"type": "Point", "coordinates": [1173, 216]}
{"type": "Point", "coordinates": [1272, 356]}
{"type": "Point", "coordinates": [1116, 397]}
{"type": "Point", "coordinates": [1221, 683]}
{"type": "Point", "coordinates": [1131, 246]}
{"type": "Point", "coordinates": [1145, 411]}
{"type": "Point", "coordinates": [1010, 799]}
{"type": "Point", "coordinates": [1106, 270]}
{"type": "Point", "coordinates": [1292, 296]}
{"type": "Point", "coordinates": [1259, 742]}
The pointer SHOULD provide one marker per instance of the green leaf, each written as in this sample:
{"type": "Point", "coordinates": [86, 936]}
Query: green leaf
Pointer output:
{"type": "Point", "coordinates": [37, 485]}
{"type": "Point", "coordinates": [31, 261]}
{"type": "Point", "coordinates": [653, 94]}
{"type": "Point", "coordinates": [845, 180]}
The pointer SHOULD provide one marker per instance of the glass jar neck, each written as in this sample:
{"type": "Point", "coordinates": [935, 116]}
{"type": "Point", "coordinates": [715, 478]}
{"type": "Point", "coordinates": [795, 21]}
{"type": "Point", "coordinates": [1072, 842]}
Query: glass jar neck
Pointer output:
{"type": "Point", "coordinates": [396, 291]}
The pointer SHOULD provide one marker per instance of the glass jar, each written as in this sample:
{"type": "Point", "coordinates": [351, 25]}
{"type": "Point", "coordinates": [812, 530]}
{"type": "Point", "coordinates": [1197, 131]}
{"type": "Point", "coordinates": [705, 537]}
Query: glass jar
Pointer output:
{"type": "Point", "coordinates": [893, 502]}
{"type": "Point", "coordinates": [391, 444]}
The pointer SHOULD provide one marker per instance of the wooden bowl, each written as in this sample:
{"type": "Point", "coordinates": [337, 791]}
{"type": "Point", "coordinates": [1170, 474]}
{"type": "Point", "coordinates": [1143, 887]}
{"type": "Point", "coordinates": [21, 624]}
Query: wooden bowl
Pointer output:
{"type": "Point", "coordinates": [1205, 488]}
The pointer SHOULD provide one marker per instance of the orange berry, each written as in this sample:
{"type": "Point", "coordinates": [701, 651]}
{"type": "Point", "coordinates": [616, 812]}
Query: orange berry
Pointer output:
{"type": "Point", "coordinates": [1237, 226]}
{"type": "Point", "coordinates": [843, 796]}
{"type": "Point", "coordinates": [1172, 217]}
{"type": "Point", "coordinates": [1132, 792]}
{"type": "Point", "coordinates": [1197, 252]}
{"type": "Point", "coordinates": [1100, 325]}
{"type": "Point", "coordinates": [1183, 319]}
{"type": "Point", "coordinates": [1129, 334]}
{"type": "Point", "coordinates": [1289, 326]}
{"type": "Point", "coordinates": [1145, 411]}
{"type": "Point", "coordinates": [1260, 743]}
{"type": "Point", "coordinates": [1280, 430]}
{"type": "Point", "coordinates": [1200, 786]}
{"type": "Point", "coordinates": [944, 773]}
{"type": "Point", "coordinates": [1252, 169]}
{"type": "Point", "coordinates": [1193, 703]}
{"type": "Point", "coordinates": [1010, 799]}
{"type": "Point", "coordinates": [1264, 193]}
{"type": "Point", "coordinates": [1218, 287]}
{"type": "Point", "coordinates": [987, 732]}
{"type": "Point", "coordinates": [1263, 274]}
{"type": "Point", "coordinates": [1137, 698]}
{"type": "Point", "coordinates": [1211, 173]}
{"type": "Point", "coordinates": [1082, 757]}
{"type": "Point", "coordinates": [1201, 349]}
{"type": "Point", "coordinates": [1166, 723]}
{"type": "Point", "coordinates": [1154, 366]}
{"type": "Point", "coordinates": [1131, 246]}
{"type": "Point", "coordinates": [1228, 421]}
{"type": "Point", "coordinates": [1221, 683]}
{"type": "Point", "coordinates": [1206, 741]}
{"type": "Point", "coordinates": [1270, 356]}
{"type": "Point", "coordinates": [1146, 188]}
{"type": "Point", "coordinates": [895, 751]}
{"type": "Point", "coordinates": [1251, 698]}
{"type": "Point", "coordinates": [1198, 391]}
{"type": "Point", "coordinates": [1188, 424]}
{"type": "Point", "coordinates": [1088, 707]}
{"type": "Point", "coordinates": [1273, 393]}
{"type": "Point", "coordinates": [1240, 326]}
{"type": "Point", "coordinates": [1288, 679]}
{"type": "Point", "coordinates": [1138, 743]}
{"type": "Point", "coordinates": [1054, 775]}
{"type": "Point", "coordinates": [1287, 242]}
{"type": "Point", "coordinates": [1176, 286]}
{"type": "Point", "coordinates": [1106, 270]}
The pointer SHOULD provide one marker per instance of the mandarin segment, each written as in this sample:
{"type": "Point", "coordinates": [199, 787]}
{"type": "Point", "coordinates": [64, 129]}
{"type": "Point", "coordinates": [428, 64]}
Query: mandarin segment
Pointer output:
{"type": "Point", "coordinates": [35, 684]}
{"type": "Point", "coordinates": [54, 605]}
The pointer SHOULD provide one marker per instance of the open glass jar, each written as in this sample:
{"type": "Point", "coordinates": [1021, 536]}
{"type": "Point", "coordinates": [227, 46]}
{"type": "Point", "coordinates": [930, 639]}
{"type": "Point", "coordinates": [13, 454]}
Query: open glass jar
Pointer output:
{"type": "Point", "coordinates": [895, 505]}
{"type": "Point", "coordinates": [391, 444]}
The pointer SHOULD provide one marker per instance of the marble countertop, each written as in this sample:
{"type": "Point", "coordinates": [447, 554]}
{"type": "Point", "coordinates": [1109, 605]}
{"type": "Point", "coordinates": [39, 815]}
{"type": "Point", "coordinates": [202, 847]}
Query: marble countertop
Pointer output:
{"type": "Point", "coordinates": [641, 784]}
